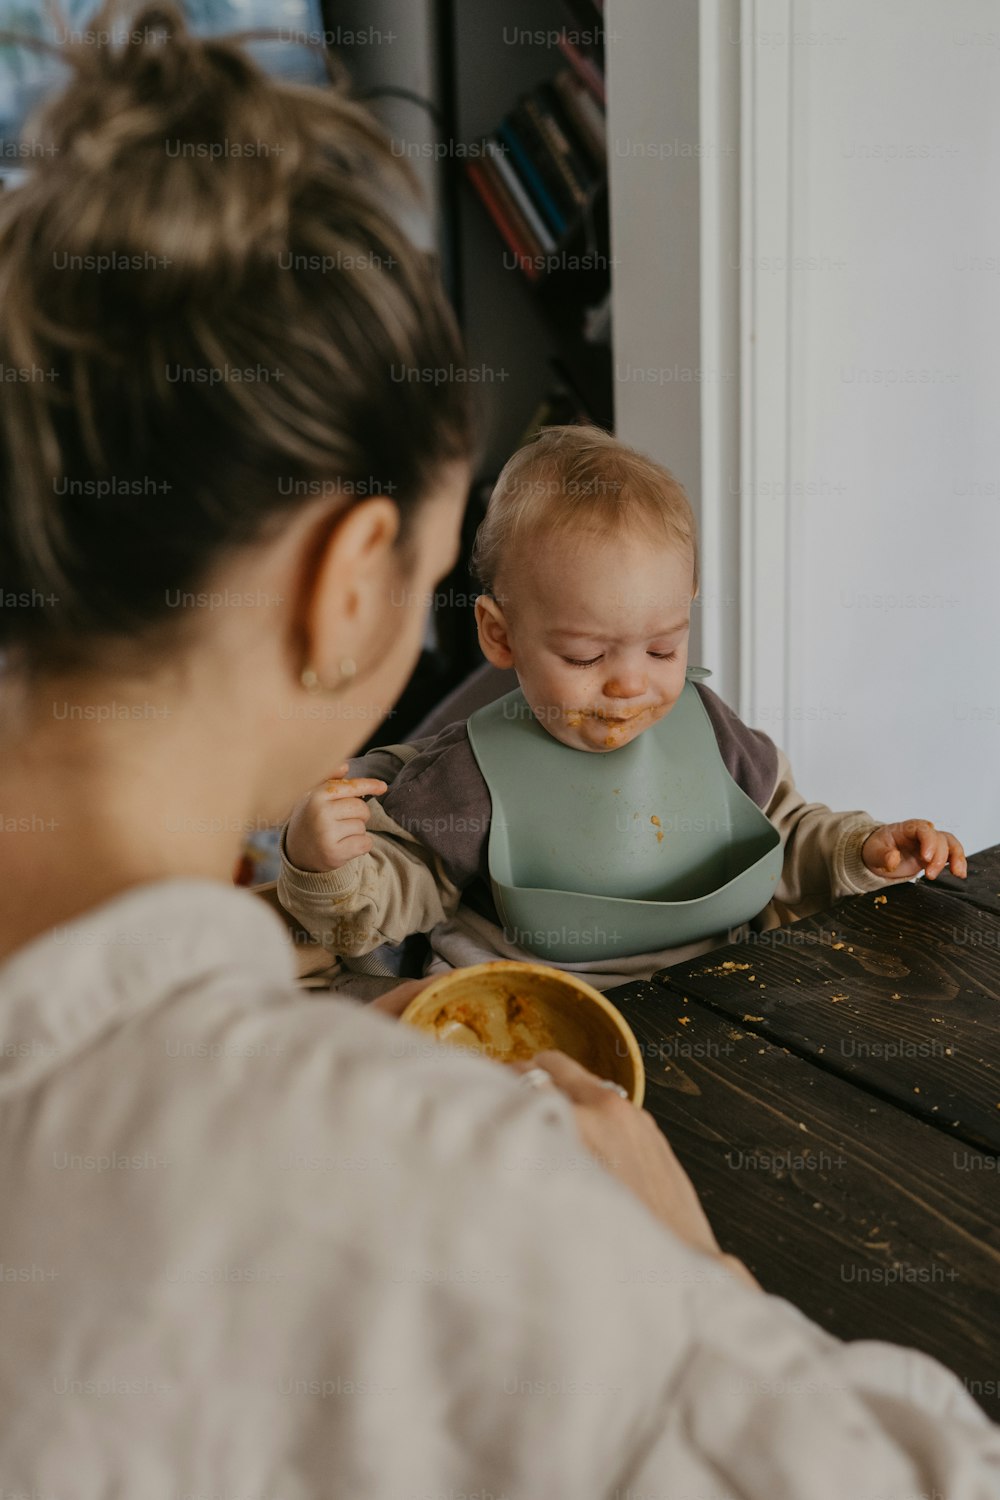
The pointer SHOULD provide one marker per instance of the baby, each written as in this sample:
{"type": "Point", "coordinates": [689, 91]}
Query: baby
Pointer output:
{"type": "Point", "coordinates": [538, 806]}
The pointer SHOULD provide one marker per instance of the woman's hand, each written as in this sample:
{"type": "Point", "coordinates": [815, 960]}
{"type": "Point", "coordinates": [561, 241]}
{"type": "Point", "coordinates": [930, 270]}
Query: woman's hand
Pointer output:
{"type": "Point", "coordinates": [624, 1140]}
{"type": "Point", "coordinates": [327, 828]}
{"type": "Point", "coordinates": [394, 1002]}
{"type": "Point", "coordinates": [629, 1144]}
{"type": "Point", "coordinates": [898, 851]}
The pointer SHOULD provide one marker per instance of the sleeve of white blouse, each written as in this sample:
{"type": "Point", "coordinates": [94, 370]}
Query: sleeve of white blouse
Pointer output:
{"type": "Point", "coordinates": [736, 1395]}
{"type": "Point", "coordinates": [618, 1362]}
{"type": "Point", "coordinates": [768, 1407]}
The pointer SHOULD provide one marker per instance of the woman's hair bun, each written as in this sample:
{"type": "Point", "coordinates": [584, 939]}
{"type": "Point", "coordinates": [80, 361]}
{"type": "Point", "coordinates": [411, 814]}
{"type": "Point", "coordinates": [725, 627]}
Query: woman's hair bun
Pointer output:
{"type": "Point", "coordinates": [191, 149]}
{"type": "Point", "coordinates": [204, 278]}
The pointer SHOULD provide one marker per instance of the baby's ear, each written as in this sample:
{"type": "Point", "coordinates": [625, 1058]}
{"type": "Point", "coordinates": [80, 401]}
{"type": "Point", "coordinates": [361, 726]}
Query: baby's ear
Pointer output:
{"type": "Point", "coordinates": [494, 638]}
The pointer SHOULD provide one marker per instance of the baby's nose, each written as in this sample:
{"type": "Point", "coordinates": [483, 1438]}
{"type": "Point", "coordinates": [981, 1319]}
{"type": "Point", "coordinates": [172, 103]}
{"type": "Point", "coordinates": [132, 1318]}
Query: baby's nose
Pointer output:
{"type": "Point", "coordinates": [625, 685]}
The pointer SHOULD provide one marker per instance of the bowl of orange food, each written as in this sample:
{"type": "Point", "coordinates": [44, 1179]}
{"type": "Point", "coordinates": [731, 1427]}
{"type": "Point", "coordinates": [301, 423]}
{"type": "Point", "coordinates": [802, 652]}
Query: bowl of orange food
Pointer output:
{"type": "Point", "coordinates": [511, 1011]}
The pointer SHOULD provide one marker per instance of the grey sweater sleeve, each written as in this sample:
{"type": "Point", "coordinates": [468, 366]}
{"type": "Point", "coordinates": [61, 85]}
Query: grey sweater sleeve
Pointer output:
{"type": "Point", "coordinates": [749, 755]}
{"type": "Point", "coordinates": [822, 848]}
{"type": "Point", "coordinates": [430, 842]}
{"type": "Point", "coordinates": [440, 798]}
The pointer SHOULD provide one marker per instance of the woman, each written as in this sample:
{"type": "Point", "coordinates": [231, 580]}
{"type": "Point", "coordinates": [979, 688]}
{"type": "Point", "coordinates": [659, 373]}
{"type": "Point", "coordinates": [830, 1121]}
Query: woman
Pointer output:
{"type": "Point", "coordinates": [267, 1244]}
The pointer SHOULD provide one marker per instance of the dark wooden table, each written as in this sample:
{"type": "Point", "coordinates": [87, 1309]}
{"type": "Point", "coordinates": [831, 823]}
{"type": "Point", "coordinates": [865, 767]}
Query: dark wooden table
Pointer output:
{"type": "Point", "coordinates": [833, 1088]}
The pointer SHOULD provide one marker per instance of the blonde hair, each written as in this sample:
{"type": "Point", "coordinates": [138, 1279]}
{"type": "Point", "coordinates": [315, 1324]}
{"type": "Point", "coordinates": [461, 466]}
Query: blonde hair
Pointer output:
{"type": "Point", "coordinates": [187, 216]}
{"type": "Point", "coordinates": [573, 479]}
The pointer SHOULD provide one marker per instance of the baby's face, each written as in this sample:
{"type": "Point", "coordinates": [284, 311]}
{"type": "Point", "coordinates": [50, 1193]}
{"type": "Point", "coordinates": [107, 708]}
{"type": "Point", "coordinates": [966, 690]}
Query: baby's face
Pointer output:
{"type": "Point", "coordinates": [598, 631]}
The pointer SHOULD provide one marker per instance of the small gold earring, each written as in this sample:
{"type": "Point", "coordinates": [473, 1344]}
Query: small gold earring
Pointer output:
{"type": "Point", "coordinates": [310, 680]}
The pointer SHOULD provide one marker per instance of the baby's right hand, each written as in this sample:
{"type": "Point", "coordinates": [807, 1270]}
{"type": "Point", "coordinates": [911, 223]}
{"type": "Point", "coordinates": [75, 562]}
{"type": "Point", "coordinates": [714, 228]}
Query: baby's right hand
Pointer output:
{"type": "Point", "coordinates": [327, 828]}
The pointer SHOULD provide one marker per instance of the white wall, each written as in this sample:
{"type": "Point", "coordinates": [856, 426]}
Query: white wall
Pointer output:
{"type": "Point", "coordinates": [892, 609]}
{"type": "Point", "coordinates": [674, 144]}
{"type": "Point", "coordinates": [866, 478]}
{"type": "Point", "coordinates": [653, 145]}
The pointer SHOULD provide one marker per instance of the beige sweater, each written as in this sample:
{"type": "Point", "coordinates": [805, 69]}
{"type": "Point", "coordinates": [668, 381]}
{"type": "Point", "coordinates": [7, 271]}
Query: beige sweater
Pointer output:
{"type": "Point", "coordinates": [431, 834]}
{"type": "Point", "coordinates": [259, 1246]}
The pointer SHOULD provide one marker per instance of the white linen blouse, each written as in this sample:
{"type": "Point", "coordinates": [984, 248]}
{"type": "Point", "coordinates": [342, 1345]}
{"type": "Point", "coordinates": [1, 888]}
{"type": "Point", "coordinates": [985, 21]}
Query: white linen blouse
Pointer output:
{"type": "Point", "coordinates": [258, 1244]}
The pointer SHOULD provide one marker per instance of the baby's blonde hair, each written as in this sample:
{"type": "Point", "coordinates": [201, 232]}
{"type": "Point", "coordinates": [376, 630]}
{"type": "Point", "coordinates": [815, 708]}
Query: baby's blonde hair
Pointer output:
{"type": "Point", "coordinates": [573, 479]}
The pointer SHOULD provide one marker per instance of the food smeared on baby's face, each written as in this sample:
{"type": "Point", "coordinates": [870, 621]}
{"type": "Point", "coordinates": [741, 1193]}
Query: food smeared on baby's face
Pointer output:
{"type": "Point", "coordinates": [509, 1028]}
{"type": "Point", "coordinates": [599, 631]}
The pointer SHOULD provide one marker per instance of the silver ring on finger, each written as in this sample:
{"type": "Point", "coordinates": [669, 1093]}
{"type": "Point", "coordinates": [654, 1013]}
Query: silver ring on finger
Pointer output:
{"type": "Point", "coordinates": [536, 1078]}
{"type": "Point", "coordinates": [616, 1088]}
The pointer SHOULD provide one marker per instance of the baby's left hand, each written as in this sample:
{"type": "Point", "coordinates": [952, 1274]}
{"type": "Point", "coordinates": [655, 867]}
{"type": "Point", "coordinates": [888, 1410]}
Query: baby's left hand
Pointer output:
{"type": "Point", "coordinates": [898, 851]}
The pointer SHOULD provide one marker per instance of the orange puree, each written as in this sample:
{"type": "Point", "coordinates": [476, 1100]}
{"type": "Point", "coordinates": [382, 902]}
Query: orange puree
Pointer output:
{"type": "Point", "coordinates": [509, 1028]}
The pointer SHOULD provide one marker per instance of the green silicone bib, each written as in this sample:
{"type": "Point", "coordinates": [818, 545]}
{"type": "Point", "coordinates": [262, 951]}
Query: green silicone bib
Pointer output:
{"type": "Point", "coordinates": [595, 856]}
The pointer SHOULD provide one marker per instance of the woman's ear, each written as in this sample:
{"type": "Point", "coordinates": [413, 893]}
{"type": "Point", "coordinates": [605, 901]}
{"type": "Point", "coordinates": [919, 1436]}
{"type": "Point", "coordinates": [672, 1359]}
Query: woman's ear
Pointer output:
{"type": "Point", "coordinates": [343, 608]}
{"type": "Point", "coordinates": [494, 634]}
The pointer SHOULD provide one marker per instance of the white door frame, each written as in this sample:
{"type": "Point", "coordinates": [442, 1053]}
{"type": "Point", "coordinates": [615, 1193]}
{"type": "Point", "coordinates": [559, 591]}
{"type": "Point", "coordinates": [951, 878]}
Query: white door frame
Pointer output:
{"type": "Point", "coordinates": [765, 365]}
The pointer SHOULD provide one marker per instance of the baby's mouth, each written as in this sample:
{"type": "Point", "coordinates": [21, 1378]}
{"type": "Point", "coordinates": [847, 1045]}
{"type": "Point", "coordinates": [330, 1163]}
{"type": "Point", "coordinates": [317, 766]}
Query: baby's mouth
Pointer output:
{"type": "Point", "coordinates": [616, 718]}
{"type": "Point", "coordinates": [575, 717]}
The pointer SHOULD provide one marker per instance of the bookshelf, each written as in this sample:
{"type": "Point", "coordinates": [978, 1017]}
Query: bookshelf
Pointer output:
{"type": "Point", "coordinates": [526, 333]}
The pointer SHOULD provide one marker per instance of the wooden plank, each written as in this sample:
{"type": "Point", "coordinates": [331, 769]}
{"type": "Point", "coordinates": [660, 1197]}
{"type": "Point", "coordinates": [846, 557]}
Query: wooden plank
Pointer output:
{"type": "Point", "coordinates": [898, 991]}
{"type": "Point", "coordinates": [982, 886]}
{"type": "Point", "coordinates": [874, 1224]}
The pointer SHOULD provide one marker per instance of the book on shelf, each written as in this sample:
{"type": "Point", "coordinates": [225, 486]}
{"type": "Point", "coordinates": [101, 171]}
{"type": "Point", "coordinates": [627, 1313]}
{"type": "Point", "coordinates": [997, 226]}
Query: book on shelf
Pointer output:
{"type": "Point", "coordinates": [583, 114]}
{"type": "Point", "coordinates": [503, 211]}
{"type": "Point", "coordinates": [586, 69]}
{"type": "Point", "coordinates": [526, 124]}
{"type": "Point", "coordinates": [544, 167]}
{"type": "Point", "coordinates": [587, 165]}
{"type": "Point", "coordinates": [519, 193]}
{"type": "Point", "coordinates": [511, 208]}
{"type": "Point", "coordinates": [575, 180]}
{"type": "Point", "coordinates": [530, 174]}
{"type": "Point", "coordinates": [542, 178]}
